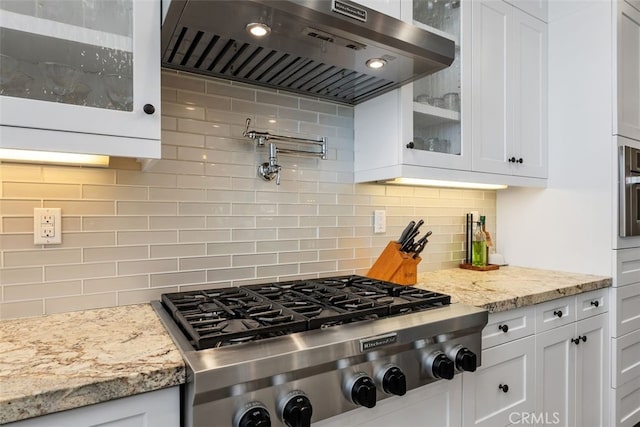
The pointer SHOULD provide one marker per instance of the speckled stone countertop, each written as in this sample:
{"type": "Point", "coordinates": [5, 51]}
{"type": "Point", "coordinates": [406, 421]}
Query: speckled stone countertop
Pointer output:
{"type": "Point", "coordinates": [509, 287]}
{"type": "Point", "coordinates": [64, 361]}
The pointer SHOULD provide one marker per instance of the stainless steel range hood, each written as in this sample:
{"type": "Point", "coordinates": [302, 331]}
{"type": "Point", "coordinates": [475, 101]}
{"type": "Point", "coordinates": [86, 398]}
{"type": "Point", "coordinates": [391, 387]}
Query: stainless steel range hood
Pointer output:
{"type": "Point", "coordinates": [315, 47]}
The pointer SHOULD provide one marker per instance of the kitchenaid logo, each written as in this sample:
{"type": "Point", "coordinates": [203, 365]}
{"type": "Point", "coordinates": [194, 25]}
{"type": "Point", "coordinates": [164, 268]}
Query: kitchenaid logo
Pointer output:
{"type": "Point", "coordinates": [379, 341]}
{"type": "Point", "coordinates": [348, 10]}
{"type": "Point", "coordinates": [533, 418]}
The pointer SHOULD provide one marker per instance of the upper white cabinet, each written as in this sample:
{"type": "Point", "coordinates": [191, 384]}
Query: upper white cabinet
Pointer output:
{"type": "Point", "coordinates": [536, 8]}
{"type": "Point", "coordinates": [420, 124]}
{"type": "Point", "coordinates": [483, 119]}
{"type": "Point", "coordinates": [81, 76]}
{"type": "Point", "coordinates": [509, 80]}
{"type": "Point", "coordinates": [627, 107]}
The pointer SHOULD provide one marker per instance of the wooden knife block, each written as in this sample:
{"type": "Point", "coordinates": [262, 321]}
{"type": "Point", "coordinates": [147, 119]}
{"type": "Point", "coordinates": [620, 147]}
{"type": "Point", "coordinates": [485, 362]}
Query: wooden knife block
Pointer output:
{"type": "Point", "coordinates": [395, 266]}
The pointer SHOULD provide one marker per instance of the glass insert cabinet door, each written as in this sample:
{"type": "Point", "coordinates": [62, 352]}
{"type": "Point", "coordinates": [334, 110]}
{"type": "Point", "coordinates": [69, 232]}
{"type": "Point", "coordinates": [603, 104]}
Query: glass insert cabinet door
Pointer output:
{"type": "Point", "coordinates": [437, 99]}
{"type": "Point", "coordinates": [78, 56]}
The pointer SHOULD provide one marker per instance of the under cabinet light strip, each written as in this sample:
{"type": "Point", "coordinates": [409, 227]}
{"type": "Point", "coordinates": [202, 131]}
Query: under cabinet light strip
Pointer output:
{"type": "Point", "coordinates": [31, 156]}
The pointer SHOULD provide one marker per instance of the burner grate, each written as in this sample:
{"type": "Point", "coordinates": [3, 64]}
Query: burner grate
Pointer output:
{"type": "Point", "coordinates": [230, 315]}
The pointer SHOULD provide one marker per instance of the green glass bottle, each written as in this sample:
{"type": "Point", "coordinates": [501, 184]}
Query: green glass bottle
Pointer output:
{"type": "Point", "coordinates": [479, 247]}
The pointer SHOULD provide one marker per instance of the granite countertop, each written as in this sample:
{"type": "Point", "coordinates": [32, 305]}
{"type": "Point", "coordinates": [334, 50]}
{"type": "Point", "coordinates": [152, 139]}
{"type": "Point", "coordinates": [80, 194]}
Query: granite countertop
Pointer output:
{"type": "Point", "coordinates": [64, 361]}
{"type": "Point", "coordinates": [509, 287]}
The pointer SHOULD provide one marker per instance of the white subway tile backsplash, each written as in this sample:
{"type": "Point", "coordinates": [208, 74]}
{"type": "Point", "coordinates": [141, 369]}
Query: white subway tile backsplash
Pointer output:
{"type": "Point", "coordinates": [173, 222]}
{"type": "Point", "coordinates": [254, 259]}
{"type": "Point", "coordinates": [18, 207]}
{"type": "Point", "coordinates": [296, 257]}
{"type": "Point", "coordinates": [172, 79]}
{"type": "Point", "coordinates": [80, 302]}
{"type": "Point", "coordinates": [230, 248]}
{"type": "Point", "coordinates": [201, 217]}
{"type": "Point", "coordinates": [181, 278]}
{"type": "Point", "coordinates": [10, 276]}
{"type": "Point", "coordinates": [29, 291]}
{"type": "Point", "coordinates": [278, 270]}
{"type": "Point", "coordinates": [148, 266]}
{"type": "Point", "coordinates": [12, 310]}
{"type": "Point", "coordinates": [96, 286]}
{"type": "Point", "coordinates": [231, 274]}
{"type": "Point", "coordinates": [187, 208]}
{"type": "Point", "coordinates": [178, 250]}
{"type": "Point", "coordinates": [14, 224]}
{"type": "Point", "coordinates": [79, 271]}
{"type": "Point", "coordinates": [146, 237]}
{"type": "Point", "coordinates": [35, 257]}
{"type": "Point", "coordinates": [147, 208]}
{"type": "Point", "coordinates": [26, 190]}
{"type": "Point", "coordinates": [257, 234]}
{"type": "Point", "coordinates": [189, 236]}
{"type": "Point", "coordinates": [115, 253]}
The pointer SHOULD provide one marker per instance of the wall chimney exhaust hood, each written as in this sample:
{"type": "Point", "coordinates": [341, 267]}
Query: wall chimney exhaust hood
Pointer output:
{"type": "Point", "coordinates": [331, 49]}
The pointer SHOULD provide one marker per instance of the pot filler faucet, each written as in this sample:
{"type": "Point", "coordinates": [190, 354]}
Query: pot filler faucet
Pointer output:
{"type": "Point", "coordinates": [292, 146]}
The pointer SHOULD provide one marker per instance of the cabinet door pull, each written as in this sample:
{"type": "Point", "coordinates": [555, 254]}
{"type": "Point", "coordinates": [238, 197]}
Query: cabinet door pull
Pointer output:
{"type": "Point", "coordinates": [411, 145]}
{"type": "Point", "coordinates": [576, 341]}
{"type": "Point", "coordinates": [504, 387]}
{"type": "Point", "coordinates": [583, 338]}
{"type": "Point", "coordinates": [520, 160]}
{"type": "Point", "coordinates": [503, 328]}
{"type": "Point", "coordinates": [595, 303]}
{"type": "Point", "coordinates": [558, 313]}
{"type": "Point", "coordinates": [149, 109]}
{"type": "Point", "coordinates": [511, 160]}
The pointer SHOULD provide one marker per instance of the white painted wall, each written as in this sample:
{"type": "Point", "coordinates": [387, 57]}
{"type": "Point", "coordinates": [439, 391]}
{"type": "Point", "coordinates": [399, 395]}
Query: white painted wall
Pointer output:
{"type": "Point", "coordinates": [568, 226]}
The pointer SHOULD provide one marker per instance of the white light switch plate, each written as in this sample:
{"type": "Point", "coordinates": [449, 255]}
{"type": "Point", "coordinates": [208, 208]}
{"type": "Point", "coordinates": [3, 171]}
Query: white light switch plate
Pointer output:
{"type": "Point", "coordinates": [379, 221]}
{"type": "Point", "coordinates": [47, 226]}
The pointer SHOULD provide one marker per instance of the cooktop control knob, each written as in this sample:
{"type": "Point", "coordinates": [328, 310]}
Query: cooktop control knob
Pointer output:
{"type": "Point", "coordinates": [295, 409]}
{"type": "Point", "coordinates": [466, 360]}
{"type": "Point", "coordinates": [392, 380]}
{"type": "Point", "coordinates": [361, 390]}
{"type": "Point", "coordinates": [253, 414]}
{"type": "Point", "coordinates": [438, 365]}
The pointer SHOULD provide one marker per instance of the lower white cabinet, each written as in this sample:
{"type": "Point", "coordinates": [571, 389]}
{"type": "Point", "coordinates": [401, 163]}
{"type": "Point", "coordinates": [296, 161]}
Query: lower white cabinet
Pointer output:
{"type": "Point", "coordinates": [436, 404]}
{"type": "Point", "coordinates": [502, 389]}
{"type": "Point", "coordinates": [572, 372]}
{"type": "Point", "coordinates": [159, 408]}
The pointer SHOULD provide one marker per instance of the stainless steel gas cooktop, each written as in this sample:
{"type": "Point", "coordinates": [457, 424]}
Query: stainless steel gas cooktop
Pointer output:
{"type": "Point", "coordinates": [292, 353]}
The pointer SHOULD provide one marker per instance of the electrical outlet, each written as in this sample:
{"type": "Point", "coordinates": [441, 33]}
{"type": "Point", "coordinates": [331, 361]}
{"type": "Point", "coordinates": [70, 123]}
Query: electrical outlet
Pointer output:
{"type": "Point", "coordinates": [47, 226]}
{"type": "Point", "coordinates": [379, 221]}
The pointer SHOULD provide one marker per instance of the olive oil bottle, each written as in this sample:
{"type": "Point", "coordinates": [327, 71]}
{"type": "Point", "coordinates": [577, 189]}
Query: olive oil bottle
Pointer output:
{"type": "Point", "coordinates": [479, 247]}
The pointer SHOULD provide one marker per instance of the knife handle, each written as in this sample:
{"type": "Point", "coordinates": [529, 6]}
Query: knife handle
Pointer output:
{"type": "Point", "coordinates": [406, 232]}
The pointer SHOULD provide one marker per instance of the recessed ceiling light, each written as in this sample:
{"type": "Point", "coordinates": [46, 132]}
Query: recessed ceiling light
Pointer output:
{"type": "Point", "coordinates": [376, 63]}
{"type": "Point", "coordinates": [257, 29]}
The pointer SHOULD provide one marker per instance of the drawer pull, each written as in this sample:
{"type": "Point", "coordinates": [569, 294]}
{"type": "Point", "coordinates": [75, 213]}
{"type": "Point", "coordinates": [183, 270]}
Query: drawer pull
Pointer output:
{"type": "Point", "coordinates": [558, 313]}
{"type": "Point", "coordinates": [595, 303]}
{"type": "Point", "coordinates": [503, 328]}
{"type": "Point", "coordinates": [504, 388]}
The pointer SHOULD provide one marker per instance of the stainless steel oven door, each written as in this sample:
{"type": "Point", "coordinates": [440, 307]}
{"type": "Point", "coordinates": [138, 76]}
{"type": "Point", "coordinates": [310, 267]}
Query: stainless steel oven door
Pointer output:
{"type": "Point", "coordinates": [629, 191]}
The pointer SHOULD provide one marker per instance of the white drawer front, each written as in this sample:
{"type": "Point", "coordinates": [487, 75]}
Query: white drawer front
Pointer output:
{"type": "Point", "coordinates": [592, 303]}
{"type": "Point", "coordinates": [626, 364]}
{"type": "Point", "coordinates": [626, 404]}
{"type": "Point", "coordinates": [627, 266]}
{"type": "Point", "coordinates": [508, 326]}
{"type": "Point", "coordinates": [552, 314]}
{"type": "Point", "coordinates": [627, 309]}
{"type": "Point", "coordinates": [510, 365]}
